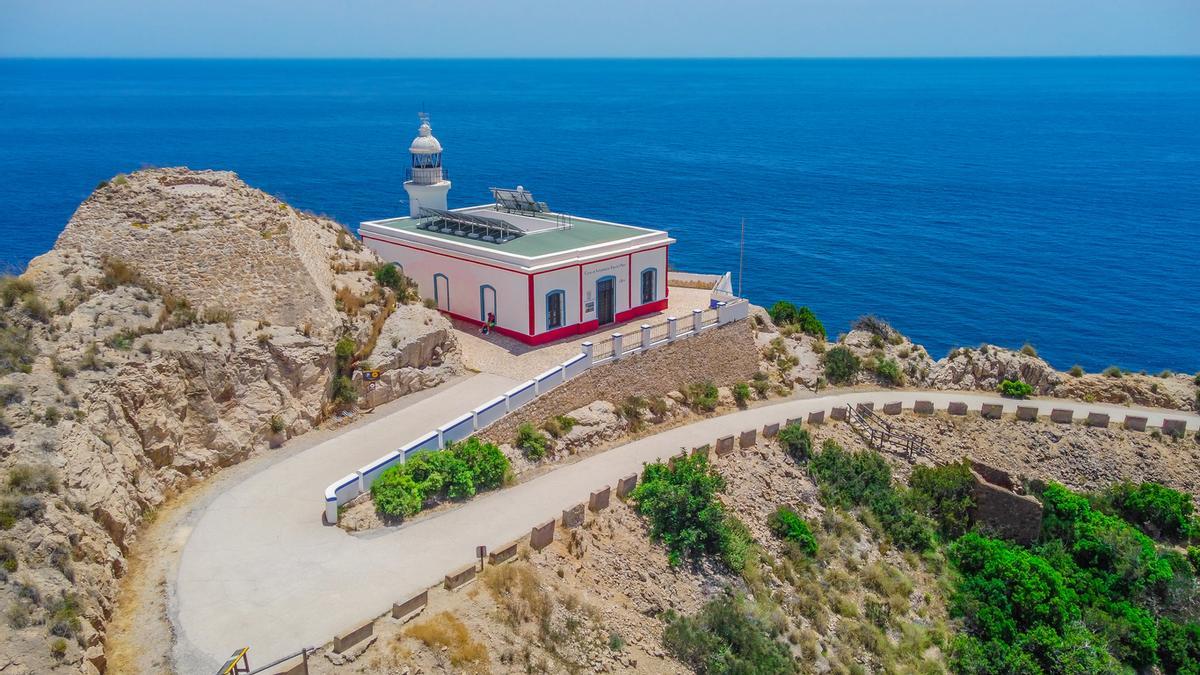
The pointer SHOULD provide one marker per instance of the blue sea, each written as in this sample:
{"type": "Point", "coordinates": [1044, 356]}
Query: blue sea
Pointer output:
{"type": "Point", "coordinates": [1054, 201]}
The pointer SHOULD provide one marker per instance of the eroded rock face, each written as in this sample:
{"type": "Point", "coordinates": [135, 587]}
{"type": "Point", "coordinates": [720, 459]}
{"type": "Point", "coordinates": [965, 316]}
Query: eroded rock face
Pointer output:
{"type": "Point", "coordinates": [182, 322]}
{"type": "Point", "coordinates": [987, 366]}
{"type": "Point", "coordinates": [1179, 392]}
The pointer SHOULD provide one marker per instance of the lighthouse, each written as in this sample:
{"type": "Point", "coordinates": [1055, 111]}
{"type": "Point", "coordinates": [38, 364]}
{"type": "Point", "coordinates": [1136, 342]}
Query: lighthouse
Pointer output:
{"type": "Point", "coordinates": [426, 185]}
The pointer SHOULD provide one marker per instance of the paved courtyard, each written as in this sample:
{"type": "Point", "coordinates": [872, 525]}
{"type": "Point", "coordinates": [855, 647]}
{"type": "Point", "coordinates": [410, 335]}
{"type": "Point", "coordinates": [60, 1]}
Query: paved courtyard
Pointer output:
{"type": "Point", "coordinates": [502, 355]}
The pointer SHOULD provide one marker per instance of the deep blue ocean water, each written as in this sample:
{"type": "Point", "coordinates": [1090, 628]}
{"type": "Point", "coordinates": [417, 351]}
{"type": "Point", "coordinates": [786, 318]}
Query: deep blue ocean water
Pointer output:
{"type": "Point", "coordinates": [1055, 201]}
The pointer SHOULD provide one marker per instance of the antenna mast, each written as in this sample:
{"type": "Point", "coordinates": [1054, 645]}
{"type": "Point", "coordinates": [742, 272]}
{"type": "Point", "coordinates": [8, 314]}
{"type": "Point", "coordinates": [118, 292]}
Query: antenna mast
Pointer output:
{"type": "Point", "coordinates": [741, 256]}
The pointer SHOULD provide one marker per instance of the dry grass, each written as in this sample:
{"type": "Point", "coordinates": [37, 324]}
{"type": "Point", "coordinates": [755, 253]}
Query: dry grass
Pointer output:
{"type": "Point", "coordinates": [444, 630]}
{"type": "Point", "coordinates": [348, 301]}
{"type": "Point", "coordinates": [519, 593]}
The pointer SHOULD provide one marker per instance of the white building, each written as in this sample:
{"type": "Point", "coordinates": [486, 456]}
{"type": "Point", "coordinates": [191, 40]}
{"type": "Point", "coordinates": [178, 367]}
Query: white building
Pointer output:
{"type": "Point", "coordinates": [539, 275]}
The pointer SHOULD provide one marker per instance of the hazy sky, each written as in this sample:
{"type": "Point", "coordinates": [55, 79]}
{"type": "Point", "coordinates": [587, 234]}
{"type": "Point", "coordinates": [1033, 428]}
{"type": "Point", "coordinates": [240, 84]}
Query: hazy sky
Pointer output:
{"type": "Point", "coordinates": [456, 28]}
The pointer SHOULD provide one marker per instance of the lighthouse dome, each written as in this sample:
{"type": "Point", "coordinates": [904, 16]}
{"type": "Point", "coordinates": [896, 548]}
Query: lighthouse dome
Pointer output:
{"type": "Point", "coordinates": [425, 143]}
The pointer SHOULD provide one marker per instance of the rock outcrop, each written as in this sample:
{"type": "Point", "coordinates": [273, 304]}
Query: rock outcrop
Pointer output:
{"type": "Point", "coordinates": [182, 322]}
{"type": "Point", "coordinates": [985, 367]}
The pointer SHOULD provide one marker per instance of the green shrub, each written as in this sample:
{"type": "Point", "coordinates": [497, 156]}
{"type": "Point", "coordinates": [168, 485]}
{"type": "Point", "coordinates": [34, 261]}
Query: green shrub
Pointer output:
{"type": "Point", "coordinates": [531, 441]}
{"type": "Point", "coordinates": [849, 479]}
{"type": "Point", "coordinates": [1179, 646]}
{"type": "Point", "coordinates": [684, 512]}
{"type": "Point", "coordinates": [344, 351]}
{"type": "Point", "coordinates": [944, 494]}
{"type": "Point", "coordinates": [784, 313]}
{"type": "Point", "coordinates": [726, 636]}
{"type": "Point", "coordinates": [1077, 370]}
{"type": "Point", "coordinates": [277, 424]}
{"type": "Point", "coordinates": [796, 441]}
{"type": "Point", "coordinates": [1014, 389]}
{"type": "Point", "coordinates": [841, 365]}
{"type": "Point", "coordinates": [1028, 350]}
{"type": "Point", "coordinates": [559, 425]}
{"type": "Point", "coordinates": [701, 396]}
{"type": "Point", "coordinates": [28, 479]}
{"type": "Point", "coordinates": [1113, 371]}
{"type": "Point", "coordinates": [889, 371]}
{"type": "Point", "coordinates": [457, 472]}
{"type": "Point", "coordinates": [1153, 507]}
{"type": "Point", "coordinates": [786, 524]}
{"type": "Point", "coordinates": [741, 394]}
{"type": "Point", "coordinates": [344, 391]}
{"type": "Point", "coordinates": [17, 352]}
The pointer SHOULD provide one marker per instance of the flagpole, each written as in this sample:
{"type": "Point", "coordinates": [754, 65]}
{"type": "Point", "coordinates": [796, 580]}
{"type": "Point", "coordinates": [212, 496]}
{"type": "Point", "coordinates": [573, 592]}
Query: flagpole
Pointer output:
{"type": "Point", "coordinates": [741, 256]}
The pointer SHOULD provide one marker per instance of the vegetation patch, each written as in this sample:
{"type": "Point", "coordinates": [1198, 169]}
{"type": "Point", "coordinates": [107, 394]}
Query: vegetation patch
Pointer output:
{"type": "Point", "coordinates": [787, 525]}
{"type": "Point", "coordinates": [841, 365]}
{"type": "Point", "coordinates": [445, 632]}
{"type": "Point", "coordinates": [457, 472]}
{"type": "Point", "coordinates": [726, 636]}
{"type": "Point", "coordinates": [531, 441]}
{"type": "Point", "coordinates": [685, 515]}
{"type": "Point", "coordinates": [784, 313]}
{"type": "Point", "coordinates": [1015, 389]}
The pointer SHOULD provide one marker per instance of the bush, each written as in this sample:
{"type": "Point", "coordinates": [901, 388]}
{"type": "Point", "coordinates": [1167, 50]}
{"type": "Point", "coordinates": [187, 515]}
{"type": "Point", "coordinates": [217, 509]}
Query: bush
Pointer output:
{"type": "Point", "coordinates": [726, 637]}
{"type": "Point", "coordinates": [889, 371]}
{"type": "Point", "coordinates": [701, 396]}
{"type": "Point", "coordinates": [559, 425]}
{"type": "Point", "coordinates": [841, 365]}
{"type": "Point", "coordinates": [1112, 371]}
{"type": "Point", "coordinates": [344, 351]}
{"type": "Point", "coordinates": [277, 424]}
{"type": "Point", "coordinates": [784, 313]}
{"type": "Point", "coordinates": [684, 512]}
{"type": "Point", "coordinates": [796, 442]}
{"type": "Point", "coordinates": [396, 494]}
{"type": "Point", "coordinates": [457, 472]}
{"type": "Point", "coordinates": [786, 524]}
{"type": "Point", "coordinates": [944, 494]}
{"type": "Point", "coordinates": [1028, 350]}
{"type": "Point", "coordinates": [28, 479]}
{"type": "Point", "coordinates": [1179, 646]}
{"type": "Point", "coordinates": [8, 557]}
{"type": "Point", "coordinates": [531, 441]}
{"type": "Point", "coordinates": [1077, 370]}
{"type": "Point", "coordinates": [874, 325]}
{"type": "Point", "coordinates": [1153, 507]}
{"type": "Point", "coordinates": [1017, 389]}
{"type": "Point", "coordinates": [741, 394]}
{"type": "Point", "coordinates": [344, 391]}
{"type": "Point", "coordinates": [849, 479]}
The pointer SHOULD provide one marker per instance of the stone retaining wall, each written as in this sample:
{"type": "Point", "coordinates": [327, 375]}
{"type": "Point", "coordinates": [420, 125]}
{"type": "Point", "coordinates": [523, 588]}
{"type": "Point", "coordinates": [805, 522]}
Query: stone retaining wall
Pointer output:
{"type": "Point", "coordinates": [725, 355]}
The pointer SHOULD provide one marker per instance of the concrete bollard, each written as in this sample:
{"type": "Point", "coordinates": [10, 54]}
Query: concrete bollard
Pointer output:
{"type": "Point", "coordinates": [923, 407]}
{"type": "Point", "coordinates": [815, 417]}
{"type": "Point", "coordinates": [838, 413]}
{"type": "Point", "coordinates": [347, 639]}
{"type": "Point", "coordinates": [866, 407]}
{"type": "Point", "coordinates": [1062, 416]}
{"type": "Point", "coordinates": [724, 445]}
{"type": "Point", "coordinates": [992, 411]}
{"type": "Point", "coordinates": [1095, 419]}
{"type": "Point", "coordinates": [410, 608]}
{"type": "Point", "coordinates": [893, 408]}
{"type": "Point", "coordinates": [598, 500]}
{"type": "Point", "coordinates": [956, 408]}
{"type": "Point", "coordinates": [748, 439]}
{"type": "Point", "coordinates": [1027, 413]}
{"type": "Point", "coordinates": [460, 577]}
{"type": "Point", "coordinates": [1176, 428]}
{"type": "Point", "coordinates": [573, 517]}
{"type": "Point", "coordinates": [1135, 423]}
{"type": "Point", "coordinates": [541, 535]}
{"type": "Point", "coordinates": [703, 450]}
{"type": "Point", "coordinates": [796, 421]}
{"type": "Point", "coordinates": [626, 485]}
{"type": "Point", "coordinates": [504, 553]}
{"type": "Point", "coordinates": [770, 430]}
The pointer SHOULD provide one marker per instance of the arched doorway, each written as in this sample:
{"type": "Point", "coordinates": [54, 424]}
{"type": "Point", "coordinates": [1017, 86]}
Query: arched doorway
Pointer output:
{"type": "Point", "coordinates": [487, 302]}
{"type": "Point", "coordinates": [441, 291]}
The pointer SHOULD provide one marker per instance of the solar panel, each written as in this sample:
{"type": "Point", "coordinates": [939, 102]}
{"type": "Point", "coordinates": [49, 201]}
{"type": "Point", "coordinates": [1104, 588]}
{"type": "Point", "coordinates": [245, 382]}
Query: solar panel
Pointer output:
{"type": "Point", "coordinates": [469, 226]}
{"type": "Point", "coordinates": [519, 200]}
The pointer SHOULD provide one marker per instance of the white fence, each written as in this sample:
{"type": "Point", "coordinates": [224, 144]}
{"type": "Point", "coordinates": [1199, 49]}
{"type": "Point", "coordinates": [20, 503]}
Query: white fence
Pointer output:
{"type": "Point", "coordinates": [461, 427]}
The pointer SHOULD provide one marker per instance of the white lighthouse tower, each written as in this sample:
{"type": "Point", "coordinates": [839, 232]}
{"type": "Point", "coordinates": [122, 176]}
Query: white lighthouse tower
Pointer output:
{"type": "Point", "coordinates": [426, 185]}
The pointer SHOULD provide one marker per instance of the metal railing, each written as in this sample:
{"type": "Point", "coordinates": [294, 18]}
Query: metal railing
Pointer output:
{"type": "Point", "coordinates": [881, 435]}
{"type": "Point", "coordinates": [602, 349]}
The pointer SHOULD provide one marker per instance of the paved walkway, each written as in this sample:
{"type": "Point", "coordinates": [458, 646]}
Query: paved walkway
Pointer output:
{"type": "Point", "coordinates": [261, 570]}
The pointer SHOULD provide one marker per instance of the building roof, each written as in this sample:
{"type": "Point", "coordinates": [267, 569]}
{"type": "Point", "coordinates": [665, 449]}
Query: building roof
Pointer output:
{"type": "Point", "coordinates": [544, 233]}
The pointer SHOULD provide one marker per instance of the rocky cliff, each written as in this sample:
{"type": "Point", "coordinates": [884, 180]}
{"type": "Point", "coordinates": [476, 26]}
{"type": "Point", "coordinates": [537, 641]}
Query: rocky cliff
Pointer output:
{"type": "Point", "coordinates": [182, 321]}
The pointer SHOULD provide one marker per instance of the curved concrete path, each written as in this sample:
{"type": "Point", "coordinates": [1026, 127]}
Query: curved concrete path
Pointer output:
{"type": "Point", "coordinates": [260, 569]}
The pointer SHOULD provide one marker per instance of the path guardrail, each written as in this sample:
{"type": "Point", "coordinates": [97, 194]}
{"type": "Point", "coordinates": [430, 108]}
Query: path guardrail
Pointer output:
{"type": "Point", "coordinates": [618, 346]}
